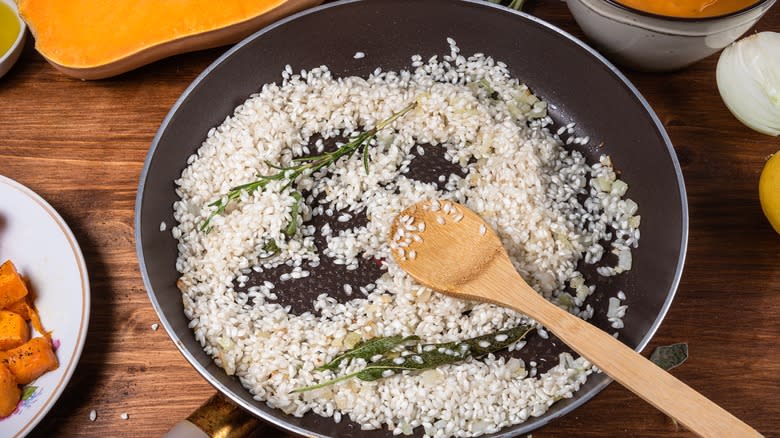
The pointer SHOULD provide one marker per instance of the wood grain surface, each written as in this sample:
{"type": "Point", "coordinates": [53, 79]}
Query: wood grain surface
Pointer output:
{"type": "Point", "coordinates": [81, 145]}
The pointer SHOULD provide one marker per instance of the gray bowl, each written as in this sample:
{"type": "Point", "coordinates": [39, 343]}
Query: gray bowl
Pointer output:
{"type": "Point", "coordinates": [650, 42]}
{"type": "Point", "coordinates": [578, 83]}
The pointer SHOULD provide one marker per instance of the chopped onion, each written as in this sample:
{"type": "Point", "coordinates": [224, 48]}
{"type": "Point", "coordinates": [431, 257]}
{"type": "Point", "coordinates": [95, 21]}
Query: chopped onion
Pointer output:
{"type": "Point", "coordinates": [630, 207]}
{"type": "Point", "coordinates": [748, 76]}
{"type": "Point", "coordinates": [619, 188]}
{"type": "Point", "coordinates": [351, 339]}
{"type": "Point", "coordinates": [624, 260]}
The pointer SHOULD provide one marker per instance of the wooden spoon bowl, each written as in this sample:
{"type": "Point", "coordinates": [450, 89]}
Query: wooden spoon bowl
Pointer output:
{"type": "Point", "coordinates": [450, 249]}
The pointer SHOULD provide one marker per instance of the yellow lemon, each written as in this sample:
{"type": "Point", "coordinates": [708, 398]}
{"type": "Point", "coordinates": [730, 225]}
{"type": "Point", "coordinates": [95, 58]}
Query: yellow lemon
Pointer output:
{"type": "Point", "coordinates": [769, 190]}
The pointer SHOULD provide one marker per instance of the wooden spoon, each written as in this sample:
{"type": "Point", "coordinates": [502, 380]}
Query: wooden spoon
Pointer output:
{"type": "Point", "coordinates": [456, 253]}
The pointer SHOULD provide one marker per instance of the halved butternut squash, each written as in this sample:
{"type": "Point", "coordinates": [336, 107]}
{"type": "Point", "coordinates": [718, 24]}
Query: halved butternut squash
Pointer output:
{"type": "Point", "coordinates": [94, 39]}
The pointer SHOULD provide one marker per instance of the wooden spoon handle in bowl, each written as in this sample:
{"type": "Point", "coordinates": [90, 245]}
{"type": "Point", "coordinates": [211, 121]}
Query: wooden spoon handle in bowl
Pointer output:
{"type": "Point", "coordinates": [620, 362]}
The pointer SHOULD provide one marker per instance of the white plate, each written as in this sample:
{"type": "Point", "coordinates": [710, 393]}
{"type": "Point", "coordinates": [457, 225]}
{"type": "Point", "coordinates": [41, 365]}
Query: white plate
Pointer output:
{"type": "Point", "coordinates": [42, 247]}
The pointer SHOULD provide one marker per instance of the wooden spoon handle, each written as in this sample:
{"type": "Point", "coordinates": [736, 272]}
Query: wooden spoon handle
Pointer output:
{"type": "Point", "coordinates": [642, 377]}
{"type": "Point", "coordinates": [629, 368]}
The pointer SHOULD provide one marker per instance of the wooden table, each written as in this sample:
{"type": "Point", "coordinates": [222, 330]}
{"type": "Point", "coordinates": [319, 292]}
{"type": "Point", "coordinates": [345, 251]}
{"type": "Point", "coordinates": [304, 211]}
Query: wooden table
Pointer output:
{"type": "Point", "coordinates": [81, 145]}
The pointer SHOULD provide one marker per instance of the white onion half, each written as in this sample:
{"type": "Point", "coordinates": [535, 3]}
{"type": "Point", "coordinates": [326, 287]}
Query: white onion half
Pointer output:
{"type": "Point", "coordinates": [748, 78]}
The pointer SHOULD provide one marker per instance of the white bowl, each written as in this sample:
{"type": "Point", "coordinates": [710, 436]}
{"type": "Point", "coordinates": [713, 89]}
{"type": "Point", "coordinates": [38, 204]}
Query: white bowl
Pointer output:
{"type": "Point", "coordinates": [9, 58]}
{"type": "Point", "coordinates": [655, 43]}
{"type": "Point", "coordinates": [41, 246]}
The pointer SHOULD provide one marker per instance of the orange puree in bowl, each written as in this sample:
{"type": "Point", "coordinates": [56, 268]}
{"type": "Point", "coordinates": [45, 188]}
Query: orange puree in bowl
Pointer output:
{"type": "Point", "coordinates": [688, 8]}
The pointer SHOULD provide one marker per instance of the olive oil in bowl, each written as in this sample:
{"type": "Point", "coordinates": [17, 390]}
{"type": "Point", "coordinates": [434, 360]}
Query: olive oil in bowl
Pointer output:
{"type": "Point", "coordinates": [12, 35]}
{"type": "Point", "coordinates": [9, 28]}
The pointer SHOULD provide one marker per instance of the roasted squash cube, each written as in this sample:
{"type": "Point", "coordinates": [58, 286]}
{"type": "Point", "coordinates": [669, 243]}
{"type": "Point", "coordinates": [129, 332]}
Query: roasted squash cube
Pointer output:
{"type": "Point", "coordinates": [30, 360]}
{"type": "Point", "coordinates": [9, 392]}
{"type": "Point", "coordinates": [21, 308]}
{"type": "Point", "coordinates": [12, 287]}
{"type": "Point", "coordinates": [13, 330]}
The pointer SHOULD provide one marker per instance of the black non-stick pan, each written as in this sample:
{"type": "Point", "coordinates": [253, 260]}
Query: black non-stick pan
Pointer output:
{"type": "Point", "coordinates": [578, 83]}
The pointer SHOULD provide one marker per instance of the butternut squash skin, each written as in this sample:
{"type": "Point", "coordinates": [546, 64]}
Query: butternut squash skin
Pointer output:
{"type": "Point", "coordinates": [95, 39]}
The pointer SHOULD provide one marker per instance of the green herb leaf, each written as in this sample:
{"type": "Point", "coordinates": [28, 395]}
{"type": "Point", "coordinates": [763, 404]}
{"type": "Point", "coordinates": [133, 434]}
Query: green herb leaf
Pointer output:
{"type": "Point", "coordinates": [425, 356]}
{"type": "Point", "coordinates": [271, 248]}
{"type": "Point", "coordinates": [670, 356]}
{"type": "Point", "coordinates": [300, 166]}
{"type": "Point", "coordinates": [485, 344]}
{"type": "Point", "coordinates": [292, 227]}
{"type": "Point", "coordinates": [514, 4]}
{"type": "Point", "coordinates": [28, 391]}
{"type": "Point", "coordinates": [365, 158]}
{"type": "Point", "coordinates": [368, 349]}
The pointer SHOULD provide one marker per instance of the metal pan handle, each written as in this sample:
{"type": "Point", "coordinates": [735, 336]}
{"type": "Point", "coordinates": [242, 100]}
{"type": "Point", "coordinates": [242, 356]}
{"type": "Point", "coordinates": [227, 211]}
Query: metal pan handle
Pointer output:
{"type": "Point", "coordinates": [218, 417]}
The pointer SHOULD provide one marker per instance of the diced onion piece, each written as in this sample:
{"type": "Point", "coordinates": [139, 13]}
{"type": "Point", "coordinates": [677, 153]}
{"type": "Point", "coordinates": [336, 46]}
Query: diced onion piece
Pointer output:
{"type": "Point", "coordinates": [748, 77]}
{"type": "Point", "coordinates": [406, 428]}
{"type": "Point", "coordinates": [432, 377]}
{"type": "Point", "coordinates": [583, 292]}
{"type": "Point", "coordinates": [225, 343]}
{"type": "Point", "coordinates": [479, 427]}
{"type": "Point", "coordinates": [614, 303]}
{"type": "Point", "coordinates": [624, 260]}
{"type": "Point", "coordinates": [619, 188]}
{"type": "Point", "coordinates": [525, 95]}
{"type": "Point", "coordinates": [351, 339]}
{"type": "Point", "coordinates": [515, 365]}
{"type": "Point", "coordinates": [631, 207]}
{"type": "Point", "coordinates": [603, 184]}
{"type": "Point", "coordinates": [539, 110]}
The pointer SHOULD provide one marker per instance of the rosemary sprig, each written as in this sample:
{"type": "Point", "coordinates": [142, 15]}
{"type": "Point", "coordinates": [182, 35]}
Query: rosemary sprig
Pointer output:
{"type": "Point", "coordinates": [308, 165]}
{"type": "Point", "coordinates": [271, 248]}
{"type": "Point", "coordinates": [424, 356]}
{"type": "Point", "coordinates": [292, 227]}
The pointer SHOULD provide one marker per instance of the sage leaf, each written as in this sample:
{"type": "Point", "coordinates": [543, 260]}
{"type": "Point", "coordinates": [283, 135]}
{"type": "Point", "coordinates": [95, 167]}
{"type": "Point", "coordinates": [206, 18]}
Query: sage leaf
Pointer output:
{"type": "Point", "coordinates": [418, 356]}
{"type": "Point", "coordinates": [368, 349]}
{"type": "Point", "coordinates": [485, 344]}
{"type": "Point", "coordinates": [670, 356]}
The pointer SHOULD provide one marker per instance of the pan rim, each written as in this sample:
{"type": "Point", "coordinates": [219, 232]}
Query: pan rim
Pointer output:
{"type": "Point", "coordinates": [582, 397]}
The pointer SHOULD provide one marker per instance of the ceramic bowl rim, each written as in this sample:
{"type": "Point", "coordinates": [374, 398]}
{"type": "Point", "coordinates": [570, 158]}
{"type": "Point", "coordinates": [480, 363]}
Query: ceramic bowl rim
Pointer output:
{"type": "Point", "coordinates": [672, 18]}
{"type": "Point", "coordinates": [22, 31]}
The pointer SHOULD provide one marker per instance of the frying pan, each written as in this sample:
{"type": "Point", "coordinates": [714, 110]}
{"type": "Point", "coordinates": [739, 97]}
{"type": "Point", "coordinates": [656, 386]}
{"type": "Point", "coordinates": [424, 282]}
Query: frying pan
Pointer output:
{"type": "Point", "coordinates": [579, 84]}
